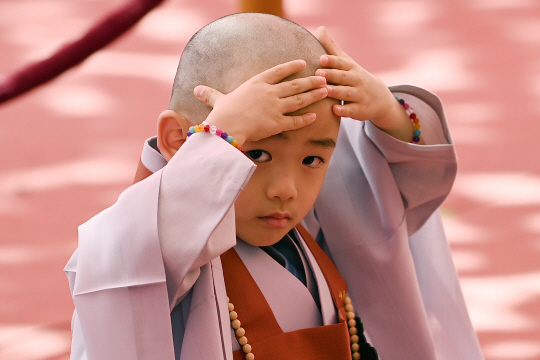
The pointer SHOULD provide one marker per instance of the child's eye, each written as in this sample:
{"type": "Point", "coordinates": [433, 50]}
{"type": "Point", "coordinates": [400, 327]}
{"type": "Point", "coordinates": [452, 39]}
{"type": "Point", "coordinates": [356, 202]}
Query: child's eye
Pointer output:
{"type": "Point", "coordinates": [259, 155]}
{"type": "Point", "coordinates": [312, 161]}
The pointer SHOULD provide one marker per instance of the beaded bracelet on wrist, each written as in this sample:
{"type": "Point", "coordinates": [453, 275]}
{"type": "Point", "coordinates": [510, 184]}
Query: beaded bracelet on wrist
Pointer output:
{"type": "Point", "coordinates": [211, 129]}
{"type": "Point", "coordinates": [414, 119]}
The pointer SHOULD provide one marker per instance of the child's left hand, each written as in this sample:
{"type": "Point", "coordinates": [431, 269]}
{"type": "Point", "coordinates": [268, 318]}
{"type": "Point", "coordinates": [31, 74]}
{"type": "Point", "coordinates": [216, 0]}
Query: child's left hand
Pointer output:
{"type": "Point", "coordinates": [366, 96]}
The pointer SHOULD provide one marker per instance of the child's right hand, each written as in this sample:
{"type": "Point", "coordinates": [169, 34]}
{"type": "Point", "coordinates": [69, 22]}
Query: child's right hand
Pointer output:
{"type": "Point", "coordinates": [256, 109]}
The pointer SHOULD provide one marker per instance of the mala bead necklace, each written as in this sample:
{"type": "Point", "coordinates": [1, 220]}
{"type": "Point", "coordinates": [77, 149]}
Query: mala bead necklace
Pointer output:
{"type": "Point", "coordinates": [360, 348]}
{"type": "Point", "coordinates": [353, 331]}
{"type": "Point", "coordinates": [352, 321]}
{"type": "Point", "coordinates": [240, 332]}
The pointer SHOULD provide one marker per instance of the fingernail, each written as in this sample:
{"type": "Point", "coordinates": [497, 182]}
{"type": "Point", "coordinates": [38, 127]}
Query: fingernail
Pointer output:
{"type": "Point", "coordinates": [324, 59]}
{"type": "Point", "coordinates": [323, 91]}
{"type": "Point", "coordinates": [312, 116]}
{"type": "Point", "coordinates": [330, 89]}
{"type": "Point", "coordinates": [199, 91]}
{"type": "Point", "coordinates": [322, 80]}
{"type": "Point", "coordinates": [322, 73]}
{"type": "Point", "coordinates": [339, 109]}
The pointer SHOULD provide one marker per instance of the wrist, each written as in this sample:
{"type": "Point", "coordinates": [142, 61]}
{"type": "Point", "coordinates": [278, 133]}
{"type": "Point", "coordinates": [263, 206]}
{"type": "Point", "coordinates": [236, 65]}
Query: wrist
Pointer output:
{"type": "Point", "coordinates": [395, 122]}
{"type": "Point", "coordinates": [229, 126]}
{"type": "Point", "coordinates": [415, 121]}
{"type": "Point", "coordinates": [214, 130]}
{"type": "Point", "coordinates": [391, 118]}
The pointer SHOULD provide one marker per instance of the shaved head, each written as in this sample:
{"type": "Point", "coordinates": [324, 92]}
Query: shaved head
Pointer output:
{"type": "Point", "coordinates": [231, 50]}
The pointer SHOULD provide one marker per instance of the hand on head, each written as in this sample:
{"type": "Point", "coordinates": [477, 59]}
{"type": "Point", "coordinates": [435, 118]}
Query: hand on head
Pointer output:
{"type": "Point", "coordinates": [366, 97]}
{"type": "Point", "coordinates": [256, 109]}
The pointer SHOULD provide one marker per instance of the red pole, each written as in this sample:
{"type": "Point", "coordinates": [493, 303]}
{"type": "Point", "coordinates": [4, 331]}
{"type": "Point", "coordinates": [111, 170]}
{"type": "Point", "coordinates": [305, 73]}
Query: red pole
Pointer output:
{"type": "Point", "coordinates": [104, 32]}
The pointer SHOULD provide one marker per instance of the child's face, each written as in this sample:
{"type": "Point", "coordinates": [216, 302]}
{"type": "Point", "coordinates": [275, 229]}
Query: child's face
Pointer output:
{"type": "Point", "coordinates": [290, 171]}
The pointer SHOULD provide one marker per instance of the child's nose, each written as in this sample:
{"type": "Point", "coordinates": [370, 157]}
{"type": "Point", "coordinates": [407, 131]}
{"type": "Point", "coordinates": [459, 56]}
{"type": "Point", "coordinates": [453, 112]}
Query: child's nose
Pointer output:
{"type": "Point", "coordinates": [282, 187]}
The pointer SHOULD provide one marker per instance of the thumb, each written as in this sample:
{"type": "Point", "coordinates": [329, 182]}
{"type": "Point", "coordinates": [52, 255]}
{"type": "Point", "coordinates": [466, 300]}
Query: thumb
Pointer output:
{"type": "Point", "coordinates": [207, 95]}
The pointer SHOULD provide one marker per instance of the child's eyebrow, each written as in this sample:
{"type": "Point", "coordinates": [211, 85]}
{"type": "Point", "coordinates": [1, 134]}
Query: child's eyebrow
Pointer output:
{"type": "Point", "coordinates": [326, 142]}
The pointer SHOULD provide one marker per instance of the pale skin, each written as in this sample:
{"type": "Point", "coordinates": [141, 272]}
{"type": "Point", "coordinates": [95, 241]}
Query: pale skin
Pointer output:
{"type": "Point", "coordinates": [275, 124]}
{"type": "Point", "coordinates": [366, 96]}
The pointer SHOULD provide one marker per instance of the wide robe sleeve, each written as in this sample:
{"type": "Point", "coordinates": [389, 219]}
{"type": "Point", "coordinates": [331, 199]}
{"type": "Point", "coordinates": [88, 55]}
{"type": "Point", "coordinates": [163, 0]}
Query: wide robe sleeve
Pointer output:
{"type": "Point", "coordinates": [118, 276]}
{"type": "Point", "coordinates": [377, 192]}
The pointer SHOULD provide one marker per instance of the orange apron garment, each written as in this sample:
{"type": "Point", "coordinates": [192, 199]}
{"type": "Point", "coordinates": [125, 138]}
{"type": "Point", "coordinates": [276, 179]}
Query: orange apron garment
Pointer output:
{"type": "Point", "coordinates": [265, 336]}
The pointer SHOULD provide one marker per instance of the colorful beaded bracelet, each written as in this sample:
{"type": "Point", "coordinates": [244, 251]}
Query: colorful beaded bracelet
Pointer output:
{"type": "Point", "coordinates": [214, 131]}
{"type": "Point", "coordinates": [414, 119]}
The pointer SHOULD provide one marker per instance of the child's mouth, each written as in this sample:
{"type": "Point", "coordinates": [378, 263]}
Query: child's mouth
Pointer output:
{"type": "Point", "coordinates": [276, 220]}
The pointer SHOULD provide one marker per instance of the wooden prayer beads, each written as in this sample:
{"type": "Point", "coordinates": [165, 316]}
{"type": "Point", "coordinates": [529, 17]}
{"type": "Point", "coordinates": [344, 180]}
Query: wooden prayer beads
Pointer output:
{"type": "Point", "coordinates": [240, 332]}
{"type": "Point", "coordinates": [353, 331]}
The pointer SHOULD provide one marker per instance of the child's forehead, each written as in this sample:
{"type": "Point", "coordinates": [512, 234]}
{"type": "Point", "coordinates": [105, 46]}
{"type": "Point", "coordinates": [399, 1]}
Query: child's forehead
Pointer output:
{"type": "Point", "coordinates": [304, 139]}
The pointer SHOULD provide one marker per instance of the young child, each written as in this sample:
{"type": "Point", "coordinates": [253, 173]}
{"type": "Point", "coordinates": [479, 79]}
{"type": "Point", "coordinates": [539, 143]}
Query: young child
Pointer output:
{"type": "Point", "coordinates": [154, 276]}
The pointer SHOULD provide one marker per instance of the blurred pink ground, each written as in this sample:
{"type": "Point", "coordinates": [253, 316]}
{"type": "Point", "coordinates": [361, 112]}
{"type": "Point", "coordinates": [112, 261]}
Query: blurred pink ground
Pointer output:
{"type": "Point", "coordinates": [70, 147]}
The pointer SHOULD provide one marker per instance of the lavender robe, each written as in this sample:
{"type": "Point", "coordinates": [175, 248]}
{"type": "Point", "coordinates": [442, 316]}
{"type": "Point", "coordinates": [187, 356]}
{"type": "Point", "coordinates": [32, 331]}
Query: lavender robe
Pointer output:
{"type": "Point", "coordinates": [159, 247]}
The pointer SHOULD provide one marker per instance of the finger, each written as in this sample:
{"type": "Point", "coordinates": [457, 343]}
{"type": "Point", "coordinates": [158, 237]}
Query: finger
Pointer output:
{"type": "Point", "coordinates": [296, 102]}
{"type": "Point", "coordinates": [345, 93]}
{"type": "Point", "coordinates": [337, 62]}
{"type": "Point", "coordinates": [348, 110]}
{"type": "Point", "coordinates": [281, 71]}
{"type": "Point", "coordinates": [300, 85]}
{"type": "Point", "coordinates": [339, 77]}
{"type": "Point", "coordinates": [293, 122]}
{"type": "Point", "coordinates": [329, 44]}
{"type": "Point", "coordinates": [207, 95]}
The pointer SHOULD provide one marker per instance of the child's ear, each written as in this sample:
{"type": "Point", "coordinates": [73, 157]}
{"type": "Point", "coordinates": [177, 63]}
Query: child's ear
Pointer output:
{"type": "Point", "coordinates": [172, 131]}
